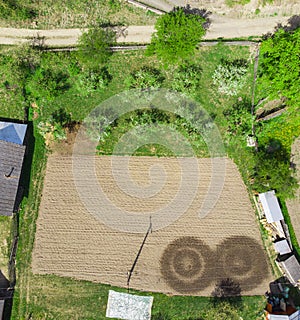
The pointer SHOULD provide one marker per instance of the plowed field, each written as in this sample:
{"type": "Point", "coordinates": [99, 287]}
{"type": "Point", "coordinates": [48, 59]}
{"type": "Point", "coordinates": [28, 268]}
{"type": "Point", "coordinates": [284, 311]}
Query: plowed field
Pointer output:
{"type": "Point", "coordinates": [187, 256]}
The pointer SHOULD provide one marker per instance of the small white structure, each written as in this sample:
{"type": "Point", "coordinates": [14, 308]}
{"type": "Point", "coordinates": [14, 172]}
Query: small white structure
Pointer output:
{"type": "Point", "coordinates": [251, 142]}
{"type": "Point", "coordinates": [291, 269]}
{"type": "Point", "coordinates": [270, 206]}
{"type": "Point", "coordinates": [294, 316]}
{"type": "Point", "coordinates": [12, 132]}
{"type": "Point", "coordinates": [128, 307]}
{"type": "Point", "coordinates": [282, 247]}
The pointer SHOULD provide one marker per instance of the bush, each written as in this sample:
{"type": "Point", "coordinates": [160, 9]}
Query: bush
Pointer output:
{"type": "Point", "coordinates": [229, 76]}
{"type": "Point", "coordinates": [47, 83]}
{"type": "Point", "coordinates": [273, 170]}
{"type": "Point", "coordinates": [279, 65]}
{"type": "Point", "coordinates": [16, 10]}
{"type": "Point", "coordinates": [92, 79]}
{"type": "Point", "coordinates": [55, 125]}
{"type": "Point", "coordinates": [144, 78]}
{"type": "Point", "coordinates": [239, 118]}
{"type": "Point", "coordinates": [186, 78]}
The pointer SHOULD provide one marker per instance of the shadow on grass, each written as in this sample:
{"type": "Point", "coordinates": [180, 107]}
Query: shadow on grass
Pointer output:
{"type": "Point", "coordinates": [227, 290]}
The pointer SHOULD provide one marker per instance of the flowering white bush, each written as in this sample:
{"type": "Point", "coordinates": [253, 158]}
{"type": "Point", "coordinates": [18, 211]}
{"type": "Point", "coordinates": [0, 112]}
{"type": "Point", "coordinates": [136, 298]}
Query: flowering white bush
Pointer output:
{"type": "Point", "coordinates": [230, 77]}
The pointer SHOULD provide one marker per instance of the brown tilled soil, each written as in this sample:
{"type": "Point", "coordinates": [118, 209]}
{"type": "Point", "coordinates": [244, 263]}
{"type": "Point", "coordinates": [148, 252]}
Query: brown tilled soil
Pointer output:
{"type": "Point", "coordinates": [293, 205]}
{"type": "Point", "coordinates": [187, 257]}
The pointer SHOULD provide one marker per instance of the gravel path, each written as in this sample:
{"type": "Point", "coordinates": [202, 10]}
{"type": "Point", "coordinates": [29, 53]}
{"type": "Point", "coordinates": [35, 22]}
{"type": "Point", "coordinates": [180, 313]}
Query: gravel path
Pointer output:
{"type": "Point", "coordinates": [221, 27]}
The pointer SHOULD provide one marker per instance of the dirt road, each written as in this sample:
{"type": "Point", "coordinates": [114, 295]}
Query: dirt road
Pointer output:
{"type": "Point", "coordinates": [221, 27]}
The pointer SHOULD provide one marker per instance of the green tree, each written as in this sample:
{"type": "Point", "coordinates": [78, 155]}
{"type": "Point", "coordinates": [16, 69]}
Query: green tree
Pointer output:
{"type": "Point", "coordinates": [273, 170]}
{"type": "Point", "coordinates": [177, 34]}
{"type": "Point", "coordinates": [94, 45]}
{"type": "Point", "coordinates": [279, 65]}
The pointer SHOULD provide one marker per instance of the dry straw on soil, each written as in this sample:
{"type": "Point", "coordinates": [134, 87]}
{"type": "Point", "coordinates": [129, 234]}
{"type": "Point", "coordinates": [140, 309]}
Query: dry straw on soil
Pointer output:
{"type": "Point", "coordinates": [187, 257]}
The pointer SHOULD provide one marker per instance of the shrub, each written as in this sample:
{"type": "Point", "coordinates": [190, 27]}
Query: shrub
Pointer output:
{"type": "Point", "coordinates": [239, 118]}
{"type": "Point", "coordinates": [55, 125]}
{"type": "Point", "coordinates": [229, 76]}
{"type": "Point", "coordinates": [279, 64]}
{"type": "Point", "coordinates": [186, 78]}
{"type": "Point", "coordinates": [144, 78]}
{"type": "Point", "coordinates": [47, 83]}
{"type": "Point", "coordinates": [92, 79]}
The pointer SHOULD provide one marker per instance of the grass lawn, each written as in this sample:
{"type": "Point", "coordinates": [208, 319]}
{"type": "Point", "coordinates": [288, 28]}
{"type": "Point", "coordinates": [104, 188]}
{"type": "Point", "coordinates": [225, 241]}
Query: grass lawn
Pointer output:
{"type": "Point", "coordinates": [52, 297]}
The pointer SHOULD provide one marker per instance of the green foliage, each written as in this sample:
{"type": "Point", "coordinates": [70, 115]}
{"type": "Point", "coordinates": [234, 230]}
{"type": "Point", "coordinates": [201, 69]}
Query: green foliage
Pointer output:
{"type": "Point", "coordinates": [55, 125]}
{"type": "Point", "coordinates": [186, 78]}
{"type": "Point", "coordinates": [94, 46]}
{"type": "Point", "coordinates": [232, 3]}
{"type": "Point", "coordinates": [279, 65]}
{"type": "Point", "coordinates": [137, 121]}
{"type": "Point", "coordinates": [229, 76]}
{"type": "Point", "coordinates": [224, 310]}
{"type": "Point", "coordinates": [16, 9]}
{"type": "Point", "coordinates": [272, 170]}
{"type": "Point", "coordinates": [238, 116]}
{"type": "Point", "coordinates": [285, 129]}
{"type": "Point", "coordinates": [47, 83]}
{"type": "Point", "coordinates": [288, 221]}
{"type": "Point", "coordinates": [177, 35]}
{"type": "Point", "coordinates": [92, 79]}
{"type": "Point", "coordinates": [146, 77]}
{"type": "Point", "coordinates": [26, 60]}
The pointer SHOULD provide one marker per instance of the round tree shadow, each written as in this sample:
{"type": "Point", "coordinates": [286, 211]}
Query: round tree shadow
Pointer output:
{"type": "Point", "coordinates": [185, 263]}
{"type": "Point", "coordinates": [243, 260]}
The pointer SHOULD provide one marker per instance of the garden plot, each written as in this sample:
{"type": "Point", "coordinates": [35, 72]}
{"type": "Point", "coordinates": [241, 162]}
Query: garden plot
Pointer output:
{"type": "Point", "coordinates": [186, 257]}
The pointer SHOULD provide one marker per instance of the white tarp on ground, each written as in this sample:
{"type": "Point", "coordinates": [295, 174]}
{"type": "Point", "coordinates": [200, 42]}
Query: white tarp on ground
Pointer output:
{"type": "Point", "coordinates": [128, 306]}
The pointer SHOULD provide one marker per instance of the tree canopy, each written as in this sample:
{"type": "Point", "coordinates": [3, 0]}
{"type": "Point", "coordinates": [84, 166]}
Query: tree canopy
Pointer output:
{"type": "Point", "coordinates": [94, 45]}
{"type": "Point", "coordinates": [280, 67]}
{"type": "Point", "coordinates": [177, 34]}
{"type": "Point", "coordinates": [272, 170]}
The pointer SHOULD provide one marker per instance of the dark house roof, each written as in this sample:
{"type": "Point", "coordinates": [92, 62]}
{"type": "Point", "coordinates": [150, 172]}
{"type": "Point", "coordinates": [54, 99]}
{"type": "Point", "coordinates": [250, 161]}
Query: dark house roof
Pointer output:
{"type": "Point", "coordinates": [11, 161]}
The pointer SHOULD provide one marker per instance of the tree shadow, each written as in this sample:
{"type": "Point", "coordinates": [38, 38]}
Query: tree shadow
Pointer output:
{"type": "Point", "coordinates": [204, 13]}
{"type": "Point", "coordinates": [293, 24]}
{"type": "Point", "coordinates": [227, 290]}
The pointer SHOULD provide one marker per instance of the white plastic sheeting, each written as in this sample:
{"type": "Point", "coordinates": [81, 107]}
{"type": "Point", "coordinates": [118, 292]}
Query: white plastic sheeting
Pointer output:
{"type": "Point", "coordinates": [128, 307]}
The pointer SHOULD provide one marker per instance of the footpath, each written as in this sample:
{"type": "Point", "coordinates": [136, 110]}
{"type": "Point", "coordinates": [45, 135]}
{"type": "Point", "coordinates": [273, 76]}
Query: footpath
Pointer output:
{"type": "Point", "coordinates": [221, 27]}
